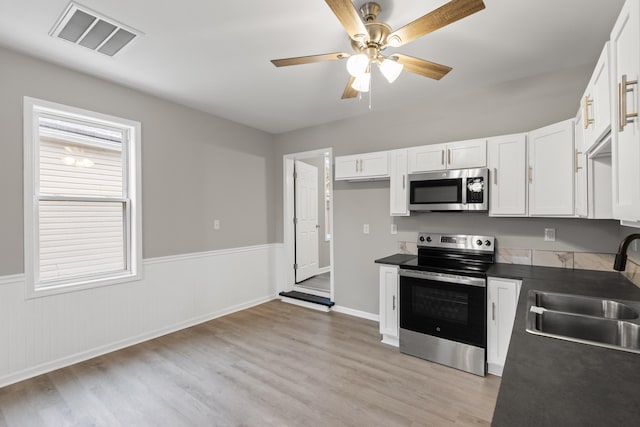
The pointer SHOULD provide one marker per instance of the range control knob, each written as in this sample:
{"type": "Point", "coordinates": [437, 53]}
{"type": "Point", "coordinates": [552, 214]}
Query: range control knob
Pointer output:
{"type": "Point", "coordinates": [487, 243]}
{"type": "Point", "coordinates": [479, 242]}
{"type": "Point", "coordinates": [428, 238]}
{"type": "Point", "coordinates": [421, 238]}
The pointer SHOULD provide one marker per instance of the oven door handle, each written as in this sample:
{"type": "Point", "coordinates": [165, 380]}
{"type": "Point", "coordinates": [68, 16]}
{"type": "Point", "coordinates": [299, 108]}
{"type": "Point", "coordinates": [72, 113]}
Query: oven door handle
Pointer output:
{"type": "Point", "coordinates": [440, 277]}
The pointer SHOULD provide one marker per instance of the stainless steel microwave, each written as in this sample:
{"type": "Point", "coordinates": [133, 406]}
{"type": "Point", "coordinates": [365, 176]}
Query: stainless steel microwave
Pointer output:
{"type": "Point", "coordinates": [452, 190]}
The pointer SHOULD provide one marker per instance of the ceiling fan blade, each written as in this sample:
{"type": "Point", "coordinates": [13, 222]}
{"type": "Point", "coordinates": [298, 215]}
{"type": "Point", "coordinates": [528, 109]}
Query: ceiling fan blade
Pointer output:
{"type": "Point", "coordinates": [349, 92]}
{"type": "Point", "coordinates": [422, 67]}
{"type": "Point", "coordinates": [349, 17]}
{"type": "Point", "coordinates": [443, 16]}
{"type": "Point", "coordinates": [309, 59]}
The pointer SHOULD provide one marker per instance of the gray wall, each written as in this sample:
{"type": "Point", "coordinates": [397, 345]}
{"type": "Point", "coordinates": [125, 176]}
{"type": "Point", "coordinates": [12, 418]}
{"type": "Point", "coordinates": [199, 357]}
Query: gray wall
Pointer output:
{"type": "Point", "coordinates": [512, 107]}
{"type": "Point", "coordinates": [195, 167]}
{"type": "Point", "coordinates": [323, 246]}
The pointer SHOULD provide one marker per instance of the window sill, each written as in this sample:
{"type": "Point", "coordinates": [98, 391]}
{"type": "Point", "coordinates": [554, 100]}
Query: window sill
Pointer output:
{"type": "Point", "coordinates": [34, 291]}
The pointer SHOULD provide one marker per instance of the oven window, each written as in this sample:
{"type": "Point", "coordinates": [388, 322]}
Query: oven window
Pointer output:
{"type": "Point", "coordinates": [439, 304]}
{"type": "Point", "coordinates": [436, 191]}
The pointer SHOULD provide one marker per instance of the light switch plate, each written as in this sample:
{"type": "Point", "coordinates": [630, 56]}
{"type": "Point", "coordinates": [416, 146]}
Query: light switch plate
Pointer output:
{"type": "Point", "coordinates": [549, 234]}
{"type": "Point", "coordinates": [216, 224]}
{"type": "Point", "coordinates": [365, 228]}
{"type": "Point", "coordinates": [394, 228]}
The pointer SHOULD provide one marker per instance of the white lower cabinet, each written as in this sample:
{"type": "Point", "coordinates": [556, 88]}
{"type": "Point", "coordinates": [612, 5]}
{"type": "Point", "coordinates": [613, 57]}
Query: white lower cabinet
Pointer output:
{"type": "Point", "coordinates": [502, 300]}
{"type": "Point", "coordinates": [389, 304]}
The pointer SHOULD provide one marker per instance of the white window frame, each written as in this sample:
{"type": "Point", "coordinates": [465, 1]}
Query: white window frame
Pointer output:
{"type": "Point", "coordinates": [131, 150]}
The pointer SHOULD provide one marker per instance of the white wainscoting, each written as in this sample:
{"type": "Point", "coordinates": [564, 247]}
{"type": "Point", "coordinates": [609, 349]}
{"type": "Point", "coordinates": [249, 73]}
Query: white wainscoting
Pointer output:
{"type": "Point", "coordinates": [42, 334]}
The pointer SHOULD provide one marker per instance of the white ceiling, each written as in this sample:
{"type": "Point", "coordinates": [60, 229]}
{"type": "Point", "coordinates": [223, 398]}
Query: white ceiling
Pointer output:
{"type": "Point", "coordinates": [214, 55]}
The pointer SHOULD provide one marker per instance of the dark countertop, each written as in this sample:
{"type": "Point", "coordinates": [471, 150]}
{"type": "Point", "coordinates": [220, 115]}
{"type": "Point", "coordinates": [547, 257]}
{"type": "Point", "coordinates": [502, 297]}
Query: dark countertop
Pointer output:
{"type": "Point", "coordinates": [551, 382]}
{"type": "Point", "coordinates": [396, 259]}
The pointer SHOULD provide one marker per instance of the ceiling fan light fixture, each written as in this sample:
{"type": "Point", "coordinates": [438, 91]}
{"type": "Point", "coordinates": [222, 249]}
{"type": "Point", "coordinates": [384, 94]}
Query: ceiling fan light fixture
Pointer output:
{"type": "Point", "coordinates": [390, 69]}
{"type": "Point", "coordinates": [357, 64]}
{"type": "Point", "coordinates": [362, 82]}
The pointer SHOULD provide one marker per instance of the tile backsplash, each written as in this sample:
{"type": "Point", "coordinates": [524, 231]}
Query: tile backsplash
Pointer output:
{"type": "Point", "coordinates": [560, 259]}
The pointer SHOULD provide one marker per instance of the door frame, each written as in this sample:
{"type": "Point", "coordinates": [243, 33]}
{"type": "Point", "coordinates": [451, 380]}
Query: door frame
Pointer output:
{"type": "Point", "coordinates": [288, 199]}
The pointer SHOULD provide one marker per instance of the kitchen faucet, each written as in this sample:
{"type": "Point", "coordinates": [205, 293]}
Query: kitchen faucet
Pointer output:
{"type": "Point", "coordinates": [621, 257]}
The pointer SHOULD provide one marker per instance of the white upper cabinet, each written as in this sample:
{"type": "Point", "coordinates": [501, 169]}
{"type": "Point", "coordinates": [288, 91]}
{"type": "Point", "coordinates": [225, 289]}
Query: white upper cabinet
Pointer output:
{"type": "Point", "coordinates": [596, 103]}
{"type": "Point", "coordinates": [453, 155]}
{"type": "Point", "coordinates": [399, 183]}
{"type": "Point", "coordinates": [427, 158]}
{"type": "Point", "coordinates": [362, 166]}
{"type": "Point", "coordinates": [551, 170]}
{"type": "Point", "coordinates": [507, 162]}
{"type": "Point", "coordinates": [581, 185]}
{"type": "Point", "coordinates": [625, 135]}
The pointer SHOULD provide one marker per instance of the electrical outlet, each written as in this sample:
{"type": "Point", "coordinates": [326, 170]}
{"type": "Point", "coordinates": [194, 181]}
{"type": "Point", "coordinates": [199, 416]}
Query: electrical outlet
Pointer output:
{"type": "Point", "coordinates": [394, 228]}
{"type": "Point", "coordinates": [216, 224]}
{"type": "Point", "coordinates": [365, 228]}
{"type": "Point", "coordinates": [549, 234]}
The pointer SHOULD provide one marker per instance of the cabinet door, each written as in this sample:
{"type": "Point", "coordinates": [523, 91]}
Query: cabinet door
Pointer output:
{"type": "Point", "coordinates": [551, 170]}
{"type": "Point", "coordinates": [601, 106]}
{"type": "Point", "coordinates": [625, 136]}
{"type": "Point", "coordinates": [399, 183]}
{"type": "Point", "coordinates": [389, 304]}
{"type": "Point", "coordinates": [502, 298]}
{"type": "Point", "coordinates": [467, 154]}
{"type": "Point", "coordinates": [507, 161]}
{"type": "Point", "coordinates": [427, 158]}
{"type": "Point", "coordinates": [347, 167]}
{"type": "Point", "coordinates": [581, 187]}
{"type": "Point", "coordinates": [374, 165]}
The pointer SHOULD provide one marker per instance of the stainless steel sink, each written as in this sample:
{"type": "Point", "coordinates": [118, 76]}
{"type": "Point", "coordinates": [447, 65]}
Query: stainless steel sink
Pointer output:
{"type": "Point", "coordinates": [596, 321]}
{"type": "Point", "coordinates": [585, 305]}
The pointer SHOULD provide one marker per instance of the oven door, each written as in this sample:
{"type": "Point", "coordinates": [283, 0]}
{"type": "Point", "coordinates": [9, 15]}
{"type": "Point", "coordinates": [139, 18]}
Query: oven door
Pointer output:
{"type": "Point", "coordinates": [444, 306]}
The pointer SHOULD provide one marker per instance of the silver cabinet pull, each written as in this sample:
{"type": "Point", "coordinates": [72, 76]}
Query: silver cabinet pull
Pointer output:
{"type": "Point", "coordinates": [495, 176]}
{"type": "Point", "coordinates": [577, 159]}
{"type": "Point", "coordinates": [587, 120]}
{"type": "Point", "coordinates": [449, 155]}
{"type": "Point", "coordinates": [404, 178]}
{"type": "Point", "coordinates": [442, 160]}
{"type": "Point", "coordinates": [623, 116]}
{"type": "Point", "coordinates": [493, 311]}
{"type": "Point", "coordinates": [530, 174]}
{"type": "Point", "coordinates": [394, 303]}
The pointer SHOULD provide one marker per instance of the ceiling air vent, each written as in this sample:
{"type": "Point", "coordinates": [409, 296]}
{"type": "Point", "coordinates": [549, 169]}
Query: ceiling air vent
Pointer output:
{"type": "Point", "coordinates": [85, 27]}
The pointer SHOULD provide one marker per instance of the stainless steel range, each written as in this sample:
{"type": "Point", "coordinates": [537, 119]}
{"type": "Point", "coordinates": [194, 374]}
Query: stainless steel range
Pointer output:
{"type": "Point", "coordinates": [443, 300]}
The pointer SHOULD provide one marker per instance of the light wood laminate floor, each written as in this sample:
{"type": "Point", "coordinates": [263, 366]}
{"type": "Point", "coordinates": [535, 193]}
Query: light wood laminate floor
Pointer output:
{"type": "Point", "coordinates": [272, 365]}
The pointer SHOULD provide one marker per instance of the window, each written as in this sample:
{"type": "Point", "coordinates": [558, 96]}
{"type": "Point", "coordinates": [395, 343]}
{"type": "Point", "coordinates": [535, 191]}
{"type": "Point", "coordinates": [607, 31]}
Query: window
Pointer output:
{"type": "Point", "coordinates": [82, 189]}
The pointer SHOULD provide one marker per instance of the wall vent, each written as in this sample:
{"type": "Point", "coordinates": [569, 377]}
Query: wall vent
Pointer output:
{"type": "Point", "coordinates": [85, 27]}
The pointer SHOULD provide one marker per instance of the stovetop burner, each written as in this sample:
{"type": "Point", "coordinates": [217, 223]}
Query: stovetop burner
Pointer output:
{"type": "Point", "coordinates": [455, 254]}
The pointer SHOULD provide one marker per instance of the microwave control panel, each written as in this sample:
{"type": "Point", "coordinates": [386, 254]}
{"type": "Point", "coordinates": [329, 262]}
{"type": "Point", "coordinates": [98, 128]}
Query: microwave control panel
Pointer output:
{"type": "Point", "coordinates": [475, 190]}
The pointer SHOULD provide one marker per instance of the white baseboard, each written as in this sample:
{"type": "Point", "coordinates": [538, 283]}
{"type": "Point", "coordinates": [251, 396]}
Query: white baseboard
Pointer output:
{"type": "Point", "coordinates": [356, 313]}
{"type": "Point", "coordinates": [392, 341]}
{"type": "Point", "coordinates": [109, 348]}
{"type": "Point", "coordinates": [305, 304]}
{"type": "Point", "coordinates": [176, 292]}
{"type": "Point", "coordinates": [323, 270]}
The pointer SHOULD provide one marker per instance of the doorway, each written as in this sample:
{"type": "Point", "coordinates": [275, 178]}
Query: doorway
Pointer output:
{"type": "Point", "coordinates": [308, 222]}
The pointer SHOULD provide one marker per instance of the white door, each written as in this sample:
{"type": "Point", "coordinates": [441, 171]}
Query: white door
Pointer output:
{"type": "Point", "coordinates": [467, 154]}
{"type": "Point", "coordinates": [306, 194]}
{"type": "Point", "coordinates": [427, 158]}
{"type": "Point", "coordinates": [399, 183]}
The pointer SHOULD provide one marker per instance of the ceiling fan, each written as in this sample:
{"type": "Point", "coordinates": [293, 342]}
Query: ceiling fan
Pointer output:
{"type": "Point", "coordinates": [370, 37]}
